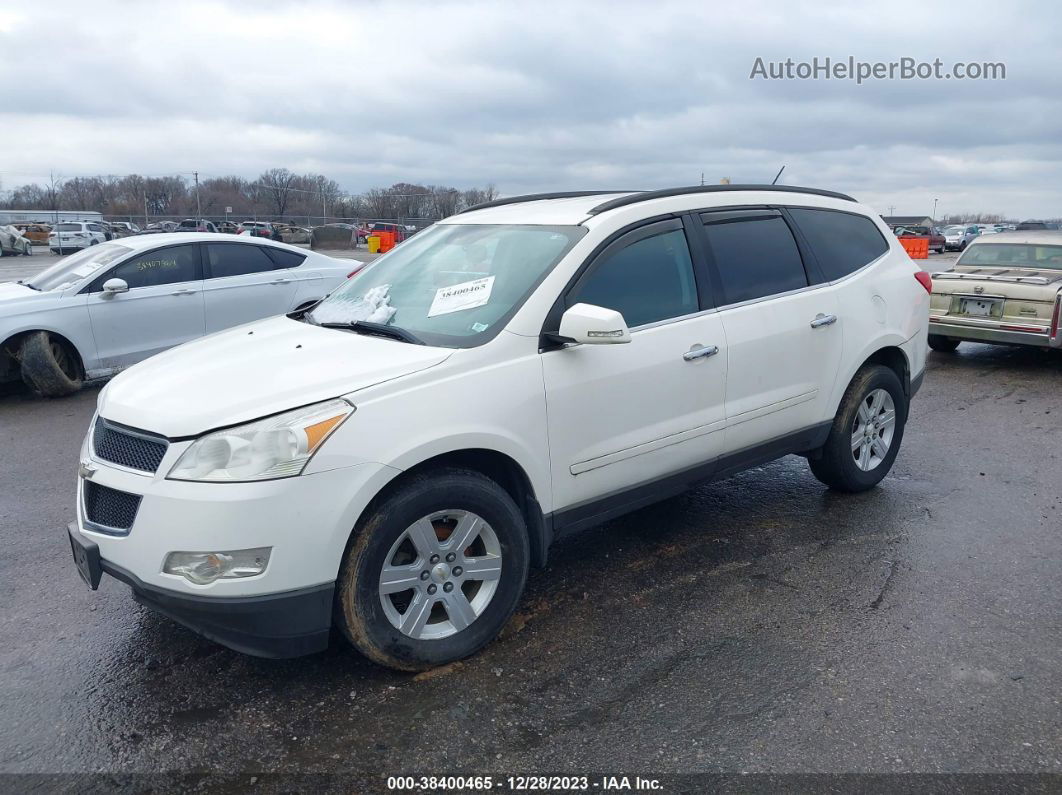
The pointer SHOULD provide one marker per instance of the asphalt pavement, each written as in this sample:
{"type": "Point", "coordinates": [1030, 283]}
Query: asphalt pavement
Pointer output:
{"type": "Point", "coordinates": [761, 623]}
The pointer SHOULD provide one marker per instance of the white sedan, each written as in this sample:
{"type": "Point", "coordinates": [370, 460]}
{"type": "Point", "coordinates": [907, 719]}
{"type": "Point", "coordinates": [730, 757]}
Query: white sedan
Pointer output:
{"type": "Point", "coordinates": [13, 242]}
{"type": "Point", "coordinates": [109, 306]}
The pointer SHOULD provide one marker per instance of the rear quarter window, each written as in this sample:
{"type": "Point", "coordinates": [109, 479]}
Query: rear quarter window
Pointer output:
{"type": "Point", "coordinates": [842, 242]}
{"type": "Point", "coordinates": [284, 258]}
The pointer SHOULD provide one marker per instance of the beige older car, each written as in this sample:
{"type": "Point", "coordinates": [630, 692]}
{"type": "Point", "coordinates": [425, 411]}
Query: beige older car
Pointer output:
{"type": "Point", "coordinates": [1005, 289]}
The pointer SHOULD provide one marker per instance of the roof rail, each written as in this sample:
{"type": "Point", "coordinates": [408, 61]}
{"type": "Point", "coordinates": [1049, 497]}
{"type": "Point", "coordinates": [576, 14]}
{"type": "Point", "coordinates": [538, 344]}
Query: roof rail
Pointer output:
{"type": "Point", "coordinates": [644, 196]}
{"type": "Point", "coordinates": [530, 197]}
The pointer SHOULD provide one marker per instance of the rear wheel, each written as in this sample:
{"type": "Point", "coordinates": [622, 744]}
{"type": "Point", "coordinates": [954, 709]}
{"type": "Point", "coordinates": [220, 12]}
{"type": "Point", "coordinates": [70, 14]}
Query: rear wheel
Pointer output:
{"type": "Point", "coordinates": [49, 366]}
{"type": "Point", "coordinates": [943, 344]}
{"type": "Point", "coordinates": [434, 572]}
{"type": "Point", "coordinates": [866, 432]}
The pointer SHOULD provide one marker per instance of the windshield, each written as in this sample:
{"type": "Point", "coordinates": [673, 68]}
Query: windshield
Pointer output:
{"type": "Point", "coordinates": [76, 267]}
{"type": "Point", "coordinates": [1012, 255]}
{"type": "Point", "coordinates": [452, 284]}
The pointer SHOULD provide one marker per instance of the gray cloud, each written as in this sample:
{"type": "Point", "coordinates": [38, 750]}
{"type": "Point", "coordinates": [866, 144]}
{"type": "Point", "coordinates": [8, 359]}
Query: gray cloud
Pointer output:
{"type": "Point", "coordinates": [538, 96]}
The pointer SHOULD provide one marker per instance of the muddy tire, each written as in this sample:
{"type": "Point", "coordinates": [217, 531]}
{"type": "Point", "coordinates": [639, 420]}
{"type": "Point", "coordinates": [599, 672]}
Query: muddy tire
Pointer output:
{"type": "Point", "coordinates": [49, 366]}
{"type": "Point", "coordinates": [434, 571]}
{"type": "Point", "coordinates": [866, 432]}
{"type": "Point", "coordinates": [943, 344]}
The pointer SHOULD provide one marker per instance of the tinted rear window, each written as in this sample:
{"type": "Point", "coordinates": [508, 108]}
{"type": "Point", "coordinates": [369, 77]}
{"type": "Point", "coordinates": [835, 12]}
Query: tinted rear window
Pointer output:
{"type": "Point", "coordinates": [842, 242]}
{"type": "Point", "coordinates": [70, 228]}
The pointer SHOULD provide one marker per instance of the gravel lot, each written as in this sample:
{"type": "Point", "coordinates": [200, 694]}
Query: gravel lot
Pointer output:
{"type": "Point", "coordinates": [757, 624]}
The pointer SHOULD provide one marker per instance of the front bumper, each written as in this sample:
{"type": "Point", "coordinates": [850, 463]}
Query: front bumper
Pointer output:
{"type": "Point", "coordinates": [974, 332]}
{"type": "Point", "coordinates": [277, 625]}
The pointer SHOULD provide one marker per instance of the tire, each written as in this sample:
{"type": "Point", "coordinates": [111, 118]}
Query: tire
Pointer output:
{"type": "Point", "coordinates": [962, 246]}
{"type": "Point", "coordinates": [49, 367]}
{"type": "Point", "coordinates": [943, 344]}
{"type": "Point", "coordinates": [385, 536]}
{"type": "Point", "coordinates": [839, 464]}
{"type": "Point", "coordinates": [28, 251]}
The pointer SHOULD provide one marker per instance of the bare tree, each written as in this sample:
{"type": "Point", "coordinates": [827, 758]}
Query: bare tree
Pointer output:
{"type": "Point", "coordinates": [277, 184]}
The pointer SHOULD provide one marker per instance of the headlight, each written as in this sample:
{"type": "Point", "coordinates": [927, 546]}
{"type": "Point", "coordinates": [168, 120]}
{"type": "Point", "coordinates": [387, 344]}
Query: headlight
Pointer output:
{"type": "Point", "coordinates": [276, 447]}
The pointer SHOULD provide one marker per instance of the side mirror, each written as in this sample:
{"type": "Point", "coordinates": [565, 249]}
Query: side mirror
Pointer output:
{"type": "Point", "coordinates": [115, 286]}
{"type": "Point", "coordinates": [594, 325]}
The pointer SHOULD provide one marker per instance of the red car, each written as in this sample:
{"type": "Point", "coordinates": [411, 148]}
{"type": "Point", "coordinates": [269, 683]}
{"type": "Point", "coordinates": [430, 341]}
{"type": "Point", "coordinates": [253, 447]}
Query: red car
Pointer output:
{"type": "Point", "coordinates": [935, 237]}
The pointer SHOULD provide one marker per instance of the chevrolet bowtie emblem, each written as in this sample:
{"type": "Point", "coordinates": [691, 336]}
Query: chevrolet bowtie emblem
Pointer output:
{"type": "Point", "coordinates": [86, 470]}
{"type": "Point", "coordinates": [979, 289]}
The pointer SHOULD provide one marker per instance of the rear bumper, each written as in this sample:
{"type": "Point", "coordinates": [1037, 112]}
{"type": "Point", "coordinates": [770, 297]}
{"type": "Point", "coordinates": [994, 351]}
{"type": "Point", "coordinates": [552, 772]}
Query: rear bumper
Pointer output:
{"type": "Point", "coordinates": [281, 625]}
{"type": "Point", "coordinates": [978, 333]}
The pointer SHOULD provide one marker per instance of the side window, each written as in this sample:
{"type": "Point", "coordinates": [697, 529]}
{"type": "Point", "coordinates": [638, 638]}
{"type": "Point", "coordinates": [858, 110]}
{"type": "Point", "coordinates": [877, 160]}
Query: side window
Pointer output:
{"type": "Point", "coordinates": [648, 280]}
{"type": "Point", "coordinates": [842, 242]}
{"type": "Point", "coordinates": [754, 257]}
{"type": "Point", "coordinates": [95, 228]}
{"type": "Point", "coordinates": [284, 258]}
{"type": "Point", "coordinates": [153, 268]}
{"type": "Point", "coordinates": [236, 259]}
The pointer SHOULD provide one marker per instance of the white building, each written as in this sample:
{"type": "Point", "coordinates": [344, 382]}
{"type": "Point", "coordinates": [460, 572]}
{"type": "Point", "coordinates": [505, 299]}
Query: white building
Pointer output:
{"type": "Point", "coordinates": [49, 216]}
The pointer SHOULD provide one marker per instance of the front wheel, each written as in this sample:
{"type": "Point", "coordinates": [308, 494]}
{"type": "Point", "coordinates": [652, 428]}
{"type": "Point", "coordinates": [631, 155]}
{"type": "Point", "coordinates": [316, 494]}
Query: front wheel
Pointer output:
{"type": "Point", "coordinates": [434, 571]}
{"type": "Point", "coordinates": [866, 432]}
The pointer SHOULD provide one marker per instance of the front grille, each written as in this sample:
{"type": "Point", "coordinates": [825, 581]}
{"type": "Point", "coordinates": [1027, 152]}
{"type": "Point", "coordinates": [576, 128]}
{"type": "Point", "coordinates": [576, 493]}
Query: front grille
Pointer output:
{"type": "Point", "coordinates": [109, 508]}
{"type": "Point", "coordinates": [133, 449]}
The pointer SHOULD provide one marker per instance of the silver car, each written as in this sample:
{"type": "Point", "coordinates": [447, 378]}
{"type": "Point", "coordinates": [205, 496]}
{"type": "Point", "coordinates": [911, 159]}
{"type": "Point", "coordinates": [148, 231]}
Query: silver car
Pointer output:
{"type": "Point", "coordinates": [958, 237]}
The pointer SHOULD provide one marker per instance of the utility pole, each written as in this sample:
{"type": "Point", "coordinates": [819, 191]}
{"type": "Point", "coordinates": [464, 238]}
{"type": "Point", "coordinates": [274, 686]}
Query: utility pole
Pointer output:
{"type": "Point", "coordinates": [145, 210]}
{"type": "Point", "coordinates": [935, 209]}
{"type": "Point", "coordinates": [198, 209]}
{"type": "Point", "coordinates": [892, 209]}
{"type": "Point", "coordinates": [702, 178]}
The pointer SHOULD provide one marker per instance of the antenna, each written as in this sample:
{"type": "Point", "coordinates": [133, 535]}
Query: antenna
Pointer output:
{"type": "Point", "coordinates": [776, 176]}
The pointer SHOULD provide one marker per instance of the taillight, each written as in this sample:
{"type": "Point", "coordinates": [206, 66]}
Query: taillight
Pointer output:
{"type": "Point", "coordinates": [1054, 316]}
{"type": "Point", "coordinates": [925, 280]}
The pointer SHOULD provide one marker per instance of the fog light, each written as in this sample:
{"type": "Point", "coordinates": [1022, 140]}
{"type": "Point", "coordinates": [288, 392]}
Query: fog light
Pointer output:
{"type": "Point", "coordinates": [203, 568]}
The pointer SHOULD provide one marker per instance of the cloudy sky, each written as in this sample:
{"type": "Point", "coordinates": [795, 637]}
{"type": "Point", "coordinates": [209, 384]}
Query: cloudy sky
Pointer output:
{"type": "Point", "coordinates": [539, 96]}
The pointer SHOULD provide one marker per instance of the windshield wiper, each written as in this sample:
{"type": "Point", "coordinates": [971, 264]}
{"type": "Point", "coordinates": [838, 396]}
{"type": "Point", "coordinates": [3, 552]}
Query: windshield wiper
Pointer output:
{"type": "Point", "coordinates": [376, 329]}
{"type": "Point", "coordinates": [27, 284]}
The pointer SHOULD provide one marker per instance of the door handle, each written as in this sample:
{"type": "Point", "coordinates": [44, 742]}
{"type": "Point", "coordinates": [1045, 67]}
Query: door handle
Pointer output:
{"type": "Point", "coordinates": [280, 281]}
{"type": "Point", "coordinates": [700, 352]}
{"type": "Point", "coordinates": [183, 292]}
{"type": "Point", "coordinates": [823, 320]}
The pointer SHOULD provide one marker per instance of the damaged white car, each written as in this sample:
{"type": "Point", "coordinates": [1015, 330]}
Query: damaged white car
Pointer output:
{"type": "Point", "coordinates": [111, 305]}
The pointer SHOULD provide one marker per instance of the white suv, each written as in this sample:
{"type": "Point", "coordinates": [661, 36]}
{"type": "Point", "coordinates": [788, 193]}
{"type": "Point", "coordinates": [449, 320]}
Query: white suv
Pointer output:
{"type": "Point", "coordinates": [75, 235]}
{"type": "Point", "coordinates": [393, 460]}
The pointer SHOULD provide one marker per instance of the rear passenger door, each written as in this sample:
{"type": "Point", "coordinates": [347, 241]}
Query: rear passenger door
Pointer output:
{"type": "Point", "coordinates": [783, 341]}
{"type": "Point", "coordinates": [243, 283]}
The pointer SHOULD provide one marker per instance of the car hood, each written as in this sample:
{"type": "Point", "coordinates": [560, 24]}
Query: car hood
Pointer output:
{"type": "Point", "coordinates": [13, 295]}
{"type": "Point", "coordinates": [252, 371]}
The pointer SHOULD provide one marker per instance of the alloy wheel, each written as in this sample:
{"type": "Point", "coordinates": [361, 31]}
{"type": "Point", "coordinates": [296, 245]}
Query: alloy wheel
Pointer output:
{"type": "Point", "coordinates": [440, 574]}
{"type": "Point", "coordinates": [873, 429]}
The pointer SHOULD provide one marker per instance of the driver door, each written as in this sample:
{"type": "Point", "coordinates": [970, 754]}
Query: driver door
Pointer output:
{"type": "Point", "coordinates": [162, 308]}
{"type": "Point", "coordinates": [626, 415]}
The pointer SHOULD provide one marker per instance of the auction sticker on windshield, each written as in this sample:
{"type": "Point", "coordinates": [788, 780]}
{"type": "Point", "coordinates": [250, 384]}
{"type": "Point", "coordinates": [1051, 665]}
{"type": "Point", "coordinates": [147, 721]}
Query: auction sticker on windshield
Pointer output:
{"type": "Point", "coordinates": [458, 297]}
